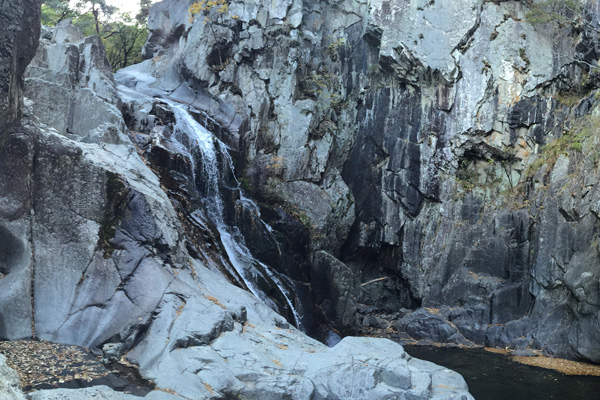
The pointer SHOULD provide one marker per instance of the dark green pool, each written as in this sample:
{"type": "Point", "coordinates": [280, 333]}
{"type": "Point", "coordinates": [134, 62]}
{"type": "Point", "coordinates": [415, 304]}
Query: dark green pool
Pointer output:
{"type": "Point", "coordinates": [495, 377]}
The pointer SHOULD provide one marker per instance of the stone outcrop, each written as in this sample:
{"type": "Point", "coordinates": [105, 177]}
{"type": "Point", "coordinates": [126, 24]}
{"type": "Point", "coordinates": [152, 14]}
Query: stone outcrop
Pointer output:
{"type": "Point", "coordinates": [408, 138]}
{"type": "Point", "coordinates": [19, 35]}
{"type": "Point", "coordinates": [9, 382]}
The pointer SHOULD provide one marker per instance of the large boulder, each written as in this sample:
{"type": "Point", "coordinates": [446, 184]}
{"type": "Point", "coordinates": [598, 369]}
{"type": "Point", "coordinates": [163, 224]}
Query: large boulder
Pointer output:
{"type": "Point", "coordinates": [74, 72]}
{"type": "Point", "coordinates": [9, 382]}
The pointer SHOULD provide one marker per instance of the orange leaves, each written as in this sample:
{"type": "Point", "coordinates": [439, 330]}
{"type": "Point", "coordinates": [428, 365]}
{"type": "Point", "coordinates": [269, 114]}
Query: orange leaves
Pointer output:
{"type": "Point", "coordinates": [206, 6]}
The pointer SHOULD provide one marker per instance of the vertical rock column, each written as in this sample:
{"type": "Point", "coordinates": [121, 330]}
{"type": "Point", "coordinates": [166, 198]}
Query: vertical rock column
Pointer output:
{"type": "Point", "coordinates": [19, 35]}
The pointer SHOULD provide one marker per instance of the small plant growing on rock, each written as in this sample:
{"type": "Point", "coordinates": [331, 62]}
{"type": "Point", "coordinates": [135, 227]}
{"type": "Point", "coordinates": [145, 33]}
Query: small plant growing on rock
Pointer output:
{"type": "Point", "coordinates": [205, 7]}
{"type": "Point", "coordinates": [212, 10]}
{"type": "Point", "coordinates": [334, 46]}
{"type": "Point", "coordinates": [575, 139]}
{"type": "Point", "coordinates": [276, 164]}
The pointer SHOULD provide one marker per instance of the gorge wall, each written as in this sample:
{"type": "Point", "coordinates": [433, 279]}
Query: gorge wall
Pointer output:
{"type": "Point", "coordinates": [427, 167]}
{"type": "Point", "coordinates": [446, 147]}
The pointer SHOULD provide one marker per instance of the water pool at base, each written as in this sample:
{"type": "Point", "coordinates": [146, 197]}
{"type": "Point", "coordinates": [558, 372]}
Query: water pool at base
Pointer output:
{"type": "Point", "coordinates": [496, 377]}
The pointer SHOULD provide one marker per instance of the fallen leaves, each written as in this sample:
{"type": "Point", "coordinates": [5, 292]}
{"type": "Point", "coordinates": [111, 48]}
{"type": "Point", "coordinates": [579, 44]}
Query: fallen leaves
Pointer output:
{"type": "Point", "coordinates": [45, 365]}
{"type": "Point", "coordinates": [566, 367]}
{"type": "Point", "coordinates": [214, 300]}
{"type": "Point", "coordinates": [41, 363]}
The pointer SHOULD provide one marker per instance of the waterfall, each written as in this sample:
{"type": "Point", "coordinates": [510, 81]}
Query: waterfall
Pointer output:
{"type": "Point", "coordinates": [191, 136]}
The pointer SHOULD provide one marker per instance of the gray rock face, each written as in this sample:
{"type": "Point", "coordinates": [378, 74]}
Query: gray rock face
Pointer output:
{"type": "Point", "coordinates": [9, 382]}
{"type": "Point", "coordinates": [19, 37]}
{"type": "Point", "coordinates": [74, 72]}
{"type": "Point", "coordinates": [223, 358]}
{"type": "Point", "coordinates": [407, 137]}
{"type": "Point", "coordinates": [403, 138]}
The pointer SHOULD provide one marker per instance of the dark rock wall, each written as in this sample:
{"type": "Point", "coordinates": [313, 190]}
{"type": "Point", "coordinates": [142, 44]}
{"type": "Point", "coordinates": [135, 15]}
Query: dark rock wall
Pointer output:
{"type": "Point", "coordinates": [19, 34]}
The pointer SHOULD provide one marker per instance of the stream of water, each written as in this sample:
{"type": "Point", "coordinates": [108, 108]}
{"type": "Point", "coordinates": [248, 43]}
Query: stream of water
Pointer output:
{"type": "Point", "coordinates": [188, 132]}
{"type": "Point", "coordinates": [493, 376]}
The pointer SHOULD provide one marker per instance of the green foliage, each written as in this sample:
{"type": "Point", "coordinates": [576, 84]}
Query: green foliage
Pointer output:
{"type": "Point", "coordinates": [321, 86]}
{"type": "Point", "coordinates": [100, 11]}
{"type": "Point", "coordinates": [576, 139]}
{"type": "Point", "coordinates": [578, 90]}
{"type": "Point", "coordinates": [561, 11]}
{"type": "Point", "coordinates": [86, 23]}
{"type": "Point", "coordinates": [245, 184]}
{"type": "Point", "coordinates": [124, 44]}
{"type": "Point", "coordinates": [335, 45]}
{"type": "Point", "coordinates": [568, 98]}
{"type": "Point", "coordinates": [54, 11]}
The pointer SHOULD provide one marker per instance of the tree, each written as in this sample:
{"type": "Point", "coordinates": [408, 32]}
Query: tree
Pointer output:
{"type": "Point", "coordinates": [122, 35]}
{"type": "Point", "coordinates": [54, 11]}
{"type": "Point", "coordinates": [124, 42]}
{"type": "Point", "coordinates": [142, 16]}
{"type": "Point", "coordinates": [99, 10]}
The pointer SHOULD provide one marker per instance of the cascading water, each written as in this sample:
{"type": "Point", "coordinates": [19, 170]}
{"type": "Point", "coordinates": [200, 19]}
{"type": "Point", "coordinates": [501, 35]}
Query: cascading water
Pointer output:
{"type": "Point", "coordinates": [192, 137]}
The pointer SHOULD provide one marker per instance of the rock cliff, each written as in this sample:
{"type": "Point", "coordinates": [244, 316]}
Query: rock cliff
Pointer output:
{"type": "Point", "coordinates": [443, 151]}
{"type": "Point", "coordinates": [96, 250]}
{"type": "Point", "coordinates": [427, 167]}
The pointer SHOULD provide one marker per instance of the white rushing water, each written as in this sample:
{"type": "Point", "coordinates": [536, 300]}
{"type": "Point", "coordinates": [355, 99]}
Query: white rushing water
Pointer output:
{"type": "Point", "coordinates": [188, 130]}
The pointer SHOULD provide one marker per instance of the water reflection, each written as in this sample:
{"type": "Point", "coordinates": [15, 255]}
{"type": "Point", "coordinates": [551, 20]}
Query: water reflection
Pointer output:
{"type": "Point", "coordinates": [495, 377]}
